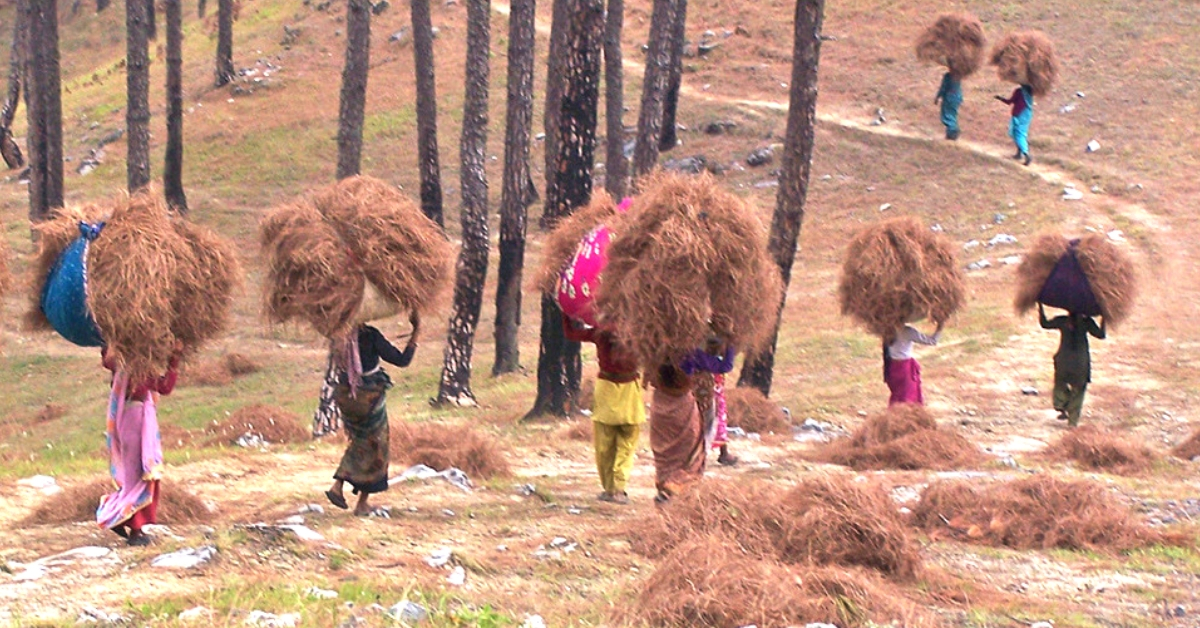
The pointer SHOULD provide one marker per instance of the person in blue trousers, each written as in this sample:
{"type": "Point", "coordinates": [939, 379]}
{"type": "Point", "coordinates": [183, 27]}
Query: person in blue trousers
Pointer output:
{"type": "Point", "coordinates": [950, 96]}
{"type": "Point", "coordinates": [1022, 114]}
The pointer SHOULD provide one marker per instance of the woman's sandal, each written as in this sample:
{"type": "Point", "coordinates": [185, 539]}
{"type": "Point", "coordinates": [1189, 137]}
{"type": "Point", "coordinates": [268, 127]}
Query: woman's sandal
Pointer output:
{"type": "Point", "coordinates": [337, 500]}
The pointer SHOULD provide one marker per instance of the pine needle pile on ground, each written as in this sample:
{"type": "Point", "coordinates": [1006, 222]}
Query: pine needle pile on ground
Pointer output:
{"type": "Point", "coordinates": [78, 503]}
{"type": "Point", "coordinates": [1101, 450]}
{"type": "Point", "coordinates": [829, 550]}
{"type": "Point", "coordinates": [271, 424]}
{"type": "Point", "coordinates": [897, 271]}
{"type": "Point", "coordinates": [1188, 449]}
{"type": "Point", "coordinates": [218, 372]}
{"type": "Point", "coordinates": [750, 410]}
{"type": "Point", "coordinates": [581, 429]}
{"type": "Point", "coordinates": [1039, 512]}
{"type": "Point", "coordinates": [903, 437]}
{"type": "Point", "coordinates": [955, 41]}
{"type": "Point", "coordinates": [441, 446]}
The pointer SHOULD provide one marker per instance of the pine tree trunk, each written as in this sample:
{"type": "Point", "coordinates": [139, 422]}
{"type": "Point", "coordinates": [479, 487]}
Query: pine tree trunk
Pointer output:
{"type": "Point", "coordinates": [101, 5]}
{"type": "Point", "coordinates": [9, 149]}
{"type": "Point", "coordinates": [654, 87]}
{"type": "Point", "coordinates": [794, 173]}
{"type": "Point", "coordinates": [570, 188]}
{"type": "Point", "coordinates": [173, 163]}
{"type": "Point", "coordinates": [616, 166]}
{"type": "Point", "coordinates": [455, 386]}
{"type": "Point", "coordinates": [518, 190]}
{"type": "Point", "coordinates": [201, 7]}
{"type": "Point", "coordinates": [554, 90]}
{"type": "Point", "coordinates": [225, 42]}
{"type": "Point", "coordinates": [669, 139]}
{"type": "Point", "coordinates": [427, 142]}
{"type": "Point", "coordinates": [43, 108]}
{"type": "Point", "coordinates": [151, 21]}
{"type": "Point", "coordinates": [137, 84]}
{"type": "Point", "coordinates": [353, 102]}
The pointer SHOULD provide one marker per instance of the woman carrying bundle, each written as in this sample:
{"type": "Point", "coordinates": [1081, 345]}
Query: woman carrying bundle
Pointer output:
{"type": "Point", "coordinates": [361, 395]}
{"type": "Point", "coordinates": [900, 369]}
{"type": "Point", "coordinates": [708, 367]}
{"type": "Point", "coordinates": [135, 450]}
{"type": "Point", "coordinates": [618, 412]}
{"type": "Point", "coordinates": [1073, 361]}
{"type": "Point", "coordinates": [1022, 115]}
{"type": "Point", "coordinates": [676, 433]}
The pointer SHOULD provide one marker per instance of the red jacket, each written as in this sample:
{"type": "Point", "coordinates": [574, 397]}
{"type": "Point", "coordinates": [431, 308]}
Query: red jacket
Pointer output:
{"type": "Point", "coordinates": [617, 364]}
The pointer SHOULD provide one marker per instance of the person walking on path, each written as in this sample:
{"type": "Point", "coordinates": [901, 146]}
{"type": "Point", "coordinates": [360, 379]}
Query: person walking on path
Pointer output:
{"type": "Point", "coordinates": [1022, 115]}
{"type": "Point", "coordinates": [950, 96]}
{"type": "Point", "coordinates": [1073, 361]}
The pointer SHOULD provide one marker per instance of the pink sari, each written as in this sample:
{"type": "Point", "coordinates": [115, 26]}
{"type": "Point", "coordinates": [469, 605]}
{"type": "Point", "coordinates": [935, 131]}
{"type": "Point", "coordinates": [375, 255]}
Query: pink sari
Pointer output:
{"type": "Point", "coordinates": [135, 459]}
{"type": "Point", "coordinates": [904, 380]}
{"type": "Point", "coordinates": [721, 435]}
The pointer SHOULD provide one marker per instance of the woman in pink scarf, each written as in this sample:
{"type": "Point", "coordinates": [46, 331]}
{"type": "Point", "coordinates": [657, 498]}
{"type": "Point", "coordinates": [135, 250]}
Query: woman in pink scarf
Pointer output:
{"type": "Point", "coordinates": [135, 451]}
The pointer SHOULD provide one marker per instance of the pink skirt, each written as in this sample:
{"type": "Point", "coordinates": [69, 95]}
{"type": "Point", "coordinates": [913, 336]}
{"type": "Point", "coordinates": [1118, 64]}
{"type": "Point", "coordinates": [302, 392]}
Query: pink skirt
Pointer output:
{"type": "Point", "coordinates": [904, 380]}
{"type": "Point", "coordinates": [135, 460]}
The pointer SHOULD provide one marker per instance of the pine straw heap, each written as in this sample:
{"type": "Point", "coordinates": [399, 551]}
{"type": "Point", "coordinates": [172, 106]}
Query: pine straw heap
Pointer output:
{"type": "Point", "coordinates": [739, 553]}
{"type": "Point", "coordinates": [750, 410]}
{"type": "Point", "coordinates": [442, 446]}
{"type": "Point", "coordinates": [563, 241]}
{"type": "Point", "coordinates": [1188, 449]}
{"type": "Point", "coordinates": [897, 271]}
{"type": "Point", "coordinates": [321, 251]}
{"type": "Point", "coordinates": [78, 503]}
{"type": "Point", "coordinates": [955, 41]}
{"type": "Point", "coordinates": [1108, 269]}
{"type": "Point", "coordinates": [903, 437]}
{"type": "Point", "coordinates": [689, 260]}
{"type": "Point", "coordinates": [152, 279]}
{"type": "Point", "coordinates": [1039, 512]}
{"type": "Point", "coordinates": [271, 424]}
{"type": "Point", "coordinates": [1026, 58]}
{"type": "Point", "coordinates": [218, 372]}
{"type": "Point", "coordinates": [1101, 450]}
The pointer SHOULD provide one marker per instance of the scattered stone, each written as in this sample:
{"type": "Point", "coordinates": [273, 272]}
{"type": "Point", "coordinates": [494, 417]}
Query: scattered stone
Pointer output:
{"type": "Point", "coordinates": [1092, 146]}
{"type": "Point", "coordinates": [446, 512]}
{"type": "Point", "coordinates": [718, 127]}
{"type": "Point", "coordinates": [1116, 235]}
{"type": "Point", "coordinates": [353, 621]}
{"type": "Point", "coordinates": [687, 165]}
{"type": "Point", "coordinates": [290, 35]}
{"type": "Point", "coordinates": [705, 47]}
{"type": "Point", "coordinates": [1029, 391]}
{"type": "Point", "coordinates": [1002, 238]}
{"type": "Point", "coordinates": [440, 557]}
{"type": "Point", "coordinates": [1079, 94]}
{"type": "Point", "coordinates": [534, 621]}
{"type": "Point", "coordinates": [979, 265]}
{"type": "Point", "coordinates": [999, 218]}
{"type": "Point", "coordinates": [937, 228]}
{"type": "Point", "coordinates": [885, 207]}
{"type": "Point", "coordinates": [379, 7]}
{"type": "Point", "coordinates": [1071, 194]}
{"type": "Point", "coordinates": [1041, 624]}
{"type": "Point", "coordinates": [401, 37]}
{"type": "Point", "coordinates": [408, 612]}
{"type": "Point", "coordinates": [39, 482]}
{"type": "Point", "coordinates": [1067, 108]}
{"type": "Point", "coordinates": [91, 615]}
{"type": "Point", "coordinates": [1179, 611]}
{"type": "Point", "coordinates": [760, 156]}
{"type": "Point", "coordinates": [457, 577]}
{"type": "Point", "coordinates": [294, 520]}
{"type": "Point", "coordinates": [1010, 462]}
{"type": "Point", "coordinates": [55, 562]}
{"type": "Point", "coordinates": [574, 511]}
{"type": "Point", "coordinates": [195, 613]}
{"type": "Point", "coordinates": [271, 620]}
{"type": "Point", "coordinates": [741, 30]}
{"type": "Point", "coordinates": [971, 244]}
{"type": "Point", "coordinates": [767, 183]}
{"type": "Point", "coordinates": [880, 119]}
{"type": "Point", "coordinates": [1010, 260]}
{"type": "Point", "coordinates": [320, 594]}
{"type": "Point", "coordinates": [112, 136]}
{"type": "Point", "coordinates": [313, 508]}
{"type": "Point", "coordinates": [381, 512]}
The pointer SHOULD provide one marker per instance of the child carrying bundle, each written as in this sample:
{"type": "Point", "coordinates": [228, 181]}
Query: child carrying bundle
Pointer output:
{"type": "Point", "coordinates": [955, 41]}
{"type": "Point", "coordinates": [1027, 59]}
{"type": "Point", "coordinates": [148, 288]}
{"type": "Point", "coordinates": [898, 272]}
{"type": "Point", "coordinates": [353, 252]}
{"type": "Point", "coordinates": [1087, 277]}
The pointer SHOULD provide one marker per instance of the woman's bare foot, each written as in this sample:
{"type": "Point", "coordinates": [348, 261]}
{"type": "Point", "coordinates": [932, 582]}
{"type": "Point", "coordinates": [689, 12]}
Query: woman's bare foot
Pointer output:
{"type": "Point", "coordinates": [362, 508]}
{"type": "Point", "coordinates": [336, 496]}
{"type": "Point", "coordinates": [726, 459]}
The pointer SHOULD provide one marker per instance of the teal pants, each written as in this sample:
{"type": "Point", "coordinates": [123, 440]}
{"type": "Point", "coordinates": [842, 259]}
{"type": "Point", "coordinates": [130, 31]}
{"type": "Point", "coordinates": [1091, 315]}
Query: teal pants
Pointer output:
{"type": "Point", "coordinates": [950, 106]}
{"type": "Point", "coordinates": [1018, 130]}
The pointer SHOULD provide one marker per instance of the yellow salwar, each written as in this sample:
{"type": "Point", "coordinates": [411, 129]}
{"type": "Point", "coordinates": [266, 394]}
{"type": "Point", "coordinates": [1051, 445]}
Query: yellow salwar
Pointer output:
{"type": "Point", "coordinates": [617, 418]}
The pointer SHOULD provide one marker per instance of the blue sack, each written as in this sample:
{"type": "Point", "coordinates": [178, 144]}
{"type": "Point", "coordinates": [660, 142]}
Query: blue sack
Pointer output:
{"type": "Point", "coordinates": [64, 297]}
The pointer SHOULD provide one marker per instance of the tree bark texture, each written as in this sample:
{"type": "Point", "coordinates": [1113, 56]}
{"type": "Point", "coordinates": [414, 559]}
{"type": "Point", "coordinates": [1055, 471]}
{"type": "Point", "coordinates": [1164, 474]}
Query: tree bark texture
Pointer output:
{"type": "Point", "coordinates": [427, 142]}
{"type": "Point", "coordinates": [173, 162]}
{"type": "Point", "coordinates": [43, 108]}
{"type": "Point", "coordinates": [455, 387]}
{"type": "Point", "coordinates": [794, 173]}
{"type": "Point", "coordinates": [201, 8]}
{"type": "Point", "coordinates": [518, 190]}
{"type": "Point", "coordinates": [352, 105]}
{"type": "Point", "coordinates": [151, 20]}
{"type": "Point", "coordinates": [137, 87]}
{"type": "Point", "coordinates": [225, 42]}
{"type": "Point", "coordinates": [669, 138]}
{"type": "Point", "coordinates": [616, 166]}
{"type": "Point", "coordinates": [554, 90]}
{"type": "Point", "coordinates": [654, 87]}
{"type": "Point", "coordinates": [9, 149]}
{"type": "Point", "coordinates": [101, 5]}
{"type": "Point", "coordinates": [571, 187]}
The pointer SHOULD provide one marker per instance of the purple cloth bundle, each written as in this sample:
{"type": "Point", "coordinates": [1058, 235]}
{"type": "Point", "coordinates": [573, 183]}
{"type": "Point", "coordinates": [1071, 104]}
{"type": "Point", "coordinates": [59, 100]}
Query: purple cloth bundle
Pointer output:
{"type": "Point", "coordinates": [1067, 287]}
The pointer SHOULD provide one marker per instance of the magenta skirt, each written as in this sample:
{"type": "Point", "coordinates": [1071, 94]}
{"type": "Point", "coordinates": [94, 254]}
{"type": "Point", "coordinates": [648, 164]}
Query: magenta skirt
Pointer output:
{"type": "Point", "coordinates": [904, 380]}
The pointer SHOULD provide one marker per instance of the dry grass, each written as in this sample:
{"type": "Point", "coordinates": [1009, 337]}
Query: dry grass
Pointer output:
{"type": "Point", "coordinates": [6, 279]}
{"type": "Point", "coordinates": [204, 289]}
{"type": "Point", "coordinates": [78, 503]}
{"type": "Point", "coordinates": [1101, 450]}
{"type": "Point", "coordinates": [1039, 512]}
{"type": "Point", "coordinates": [580, 429]}
{"type": "Point", "coordinates": [1189, 448]}
{"type": "Point", "coordinates": [219, 372]}
{"type": "Point", "coordinates": [903, 437]}
{"type": "Point", "coordinates": [955, 41]}
{"type": "Point", "coordinates": [750, 410]}
{"type": "Point", "coordinates": [272, 424]}
{"type": "Point", "coordinates": [443, 446]}
{"type": "Point", "coordinates": [1108, 270]}
{"type": "Point", "coordinates": [689, 261]}
{"type": "Point", "coordinates": [51, 412]}
{"type": "Point", "coordinates": [1035, 269]}
{"type": "Point", "coordinates": [897, 271]}
{"type": "Point", "coordinates": [1027, 58]}
{"type": "Point", "coordinates": [563, 241]}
